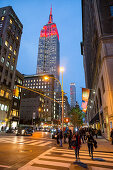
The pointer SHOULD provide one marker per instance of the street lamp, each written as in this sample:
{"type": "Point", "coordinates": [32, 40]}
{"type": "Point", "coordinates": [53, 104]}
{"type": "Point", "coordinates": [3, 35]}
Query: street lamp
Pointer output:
{"type": "Point", "coordinates": [46, 78]}
{"type": "Point", "coordinates": [62, 70]}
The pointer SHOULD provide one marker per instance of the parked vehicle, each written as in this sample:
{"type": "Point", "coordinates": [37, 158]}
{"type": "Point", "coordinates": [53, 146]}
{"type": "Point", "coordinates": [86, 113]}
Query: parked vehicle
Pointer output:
{"type": "Point", "coordinates": [24, 131]}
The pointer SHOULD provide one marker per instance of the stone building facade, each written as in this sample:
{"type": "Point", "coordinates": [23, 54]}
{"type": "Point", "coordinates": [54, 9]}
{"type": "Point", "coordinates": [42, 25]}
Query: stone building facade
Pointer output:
{"type": "Point", "coordinates": [97, 26]}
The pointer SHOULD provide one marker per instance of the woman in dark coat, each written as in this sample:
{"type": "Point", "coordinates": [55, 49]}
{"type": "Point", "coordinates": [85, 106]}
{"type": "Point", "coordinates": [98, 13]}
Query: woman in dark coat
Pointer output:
{"type": "Point", "coordinates": [76, 142]}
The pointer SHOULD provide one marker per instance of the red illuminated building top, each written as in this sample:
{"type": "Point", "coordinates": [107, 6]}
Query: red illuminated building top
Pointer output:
{"type": "Point", "coordinates": [50, 29]}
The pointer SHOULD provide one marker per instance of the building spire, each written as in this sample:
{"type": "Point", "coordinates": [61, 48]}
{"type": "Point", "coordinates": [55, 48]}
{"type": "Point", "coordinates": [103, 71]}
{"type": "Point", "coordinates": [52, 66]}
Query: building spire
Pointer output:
{"type": "Point", "coordinates": [50, 16]}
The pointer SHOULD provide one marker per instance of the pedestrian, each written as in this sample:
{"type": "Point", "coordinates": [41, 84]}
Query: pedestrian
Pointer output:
{"type": "Point", "coordinates": [76, 142]}
{"type": "Point", "coordinates": [111, 136]}
{"type": "Point", "coordinates": [70, 138]}
{"type": "Point", "coordinates": [60, 137]}
{"type": "Point", "coordinates": [57, 133]}
{"type": "Point", "coordinates": [96, 133]}
{"type": "Point", "coordinates": [65, 137]}
{"type": "Point", "coordinates": [90, 143]}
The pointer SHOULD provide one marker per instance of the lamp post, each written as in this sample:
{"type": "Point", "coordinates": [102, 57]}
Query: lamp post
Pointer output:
{"type": "Point", "coordinates": [46, 78]}
{"type": "Point", "coordinates": [62, 70]}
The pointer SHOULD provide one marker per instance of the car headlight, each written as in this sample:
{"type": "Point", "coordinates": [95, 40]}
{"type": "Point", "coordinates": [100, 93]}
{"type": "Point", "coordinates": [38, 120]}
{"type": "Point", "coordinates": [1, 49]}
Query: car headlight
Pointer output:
{"type": "Point", "coordinates": [23, 131]}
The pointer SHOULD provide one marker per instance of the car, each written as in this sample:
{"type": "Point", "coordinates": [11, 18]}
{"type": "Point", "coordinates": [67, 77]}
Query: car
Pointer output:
{"type": "Point", "coordinates": [24, 131]}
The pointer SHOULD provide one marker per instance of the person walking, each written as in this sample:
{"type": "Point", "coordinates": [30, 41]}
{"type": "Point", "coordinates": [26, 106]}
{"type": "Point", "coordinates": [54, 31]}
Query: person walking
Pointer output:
{"type": "Point", "coordinates": [70, 139]}
{"type": "Point", "coordinates": [90, 142]}
{"type": "Point", "coordinates": [111, 136]}
{"type": "Point", "coordinates": [76, 142]}
{"type": "Point", "coordinates": [57, 133]}
{"type": "Point", "coordinates": [60, 137]}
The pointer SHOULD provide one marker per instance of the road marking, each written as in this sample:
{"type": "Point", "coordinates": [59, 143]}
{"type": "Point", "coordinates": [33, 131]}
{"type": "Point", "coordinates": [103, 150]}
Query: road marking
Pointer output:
{"type": "Point", "coordinates": [5, 166]}
{"type": "Point", "coordinates": [44, 144]}
{"type": "Point", "coordinates": [35, 143]}
{"type": "Point", "coordinates": [52, 163]}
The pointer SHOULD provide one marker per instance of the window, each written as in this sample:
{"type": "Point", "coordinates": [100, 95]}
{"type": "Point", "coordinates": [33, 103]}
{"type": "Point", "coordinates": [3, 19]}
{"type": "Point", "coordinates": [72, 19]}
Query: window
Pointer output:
{"type": "Point", "coordinates": [14, 52]}
{"type": "Point", "coordinates": [9, 56]}
{"type": "Point", "coordinates": [7, 64]}
{"type": "Point", "coordinates": [17, 37]}
{"type": "Point", "coordinates": [111, 10]}
{"type": "Point", "coordinates": [12, 67]}
{"type": "Point", "coordinates": [2, 59]}
{"type": "Point", "coordinates": [2, 18]}
{"type": "Point", "coordinates": [6, 43]}
{"type": "Point", "coordinates": [13, 59]}
{"type": "Point", "coordinates": [11, 21]}
{"type": "Point", "coordinates": [11, 48]}
{"type": "Point", "coordinates": [4, 11]}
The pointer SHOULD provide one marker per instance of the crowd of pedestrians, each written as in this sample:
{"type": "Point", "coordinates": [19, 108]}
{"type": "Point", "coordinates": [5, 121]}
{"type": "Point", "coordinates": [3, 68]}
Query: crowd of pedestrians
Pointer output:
{"type": "Point", "coordinates": [75, 140]}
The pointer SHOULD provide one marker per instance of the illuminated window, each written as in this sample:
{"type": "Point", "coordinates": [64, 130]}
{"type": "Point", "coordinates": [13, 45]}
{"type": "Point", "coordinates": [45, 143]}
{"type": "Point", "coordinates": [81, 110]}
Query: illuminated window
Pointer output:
{"type": "Point", "coordinates": [6, 43]}
{"type": "Point", "coordinates": [13, 59]}
{"type": "Point", "coordinates": [7, 64]}
{"type": "Point", "coordinates": [31, 80]}
{"type": "Point", "coordinates": [14, 52]}
{"type": "Point", "coordinates": [2, 18]}
{"type": "Point", "coordinates": [2, 59]}
{"type": "Point", "coordinates": [9, 56]}
{"type": "Point", "coordinates": [17, 37]}
{"type": "Point", "coordinates": [11, 21]}
{"type": "Point", "coordinates": [7, 95]}
{"type": "Point", "coordinates": [12, 67]}
{"type": "Point", "coordinates": [11, 48]}
{"type": "Point", "coordinates": [2, 93]}
{"type": "Point", "coordinates": [34, 80]}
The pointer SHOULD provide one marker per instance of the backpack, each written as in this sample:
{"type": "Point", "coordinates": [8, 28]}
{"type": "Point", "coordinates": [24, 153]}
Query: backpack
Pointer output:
{"type": "Point", "coordinates": [95, 144]}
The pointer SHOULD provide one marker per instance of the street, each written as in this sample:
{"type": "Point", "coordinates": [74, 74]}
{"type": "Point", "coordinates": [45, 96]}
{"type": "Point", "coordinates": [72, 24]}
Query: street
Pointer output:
{"type": "Point", "coordinates": [40, 152]}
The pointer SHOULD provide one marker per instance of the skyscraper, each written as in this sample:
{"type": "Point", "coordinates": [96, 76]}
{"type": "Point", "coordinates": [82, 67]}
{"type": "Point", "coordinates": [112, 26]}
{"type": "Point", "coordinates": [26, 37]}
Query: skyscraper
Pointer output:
{"type": "Point", "coordinates": [10, 36]}
{"type": "Point", "coordinates": [48, 50]}
{"type": "Point", "coordinates": [72, 94]}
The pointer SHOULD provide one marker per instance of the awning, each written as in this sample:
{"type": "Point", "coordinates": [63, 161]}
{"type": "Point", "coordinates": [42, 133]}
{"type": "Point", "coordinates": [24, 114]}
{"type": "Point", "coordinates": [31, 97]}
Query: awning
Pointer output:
{"type": "Point", "coordinates": [95, 119]}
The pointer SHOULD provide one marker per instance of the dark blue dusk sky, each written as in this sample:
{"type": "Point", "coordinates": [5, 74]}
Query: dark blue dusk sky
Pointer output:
{"type": "Point", "coordinates": [67, 15]}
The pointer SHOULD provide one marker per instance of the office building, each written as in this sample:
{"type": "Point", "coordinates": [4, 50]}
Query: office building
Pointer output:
{"type": "Point", "coordinates": [46, 87]}
{"type": "Point", "coordinates": [10, 36]}
{"type": "Point", "coordinates": [72, 94]}
{"type": "Point", "coordinates": [97, 49]}
{"type": "Point", "coordinates": [48, 50]}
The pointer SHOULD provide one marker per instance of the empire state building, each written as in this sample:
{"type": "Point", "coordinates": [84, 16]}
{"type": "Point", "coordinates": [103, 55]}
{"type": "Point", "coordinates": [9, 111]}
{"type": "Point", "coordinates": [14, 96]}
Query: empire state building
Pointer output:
{"type": "Point", "coordinates": [48, 49]}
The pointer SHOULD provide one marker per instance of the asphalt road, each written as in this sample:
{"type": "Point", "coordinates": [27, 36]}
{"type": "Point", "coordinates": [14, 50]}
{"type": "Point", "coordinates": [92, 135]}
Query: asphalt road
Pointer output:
{"type": "Point", "coordinates": [16, 151]}
{"type": "Point", "coordinates": [40, 152]}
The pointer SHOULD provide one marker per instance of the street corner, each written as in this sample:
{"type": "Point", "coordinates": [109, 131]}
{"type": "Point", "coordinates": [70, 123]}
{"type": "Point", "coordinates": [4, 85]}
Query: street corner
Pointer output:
{"type": "Point", "coordinates": [79, 166]}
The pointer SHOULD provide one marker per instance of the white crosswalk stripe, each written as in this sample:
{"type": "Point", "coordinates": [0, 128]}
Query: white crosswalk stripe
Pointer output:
{"type": "Point", "coordinates": [16, 140]}
{"type": "Point", "coordinates": [56, 158]}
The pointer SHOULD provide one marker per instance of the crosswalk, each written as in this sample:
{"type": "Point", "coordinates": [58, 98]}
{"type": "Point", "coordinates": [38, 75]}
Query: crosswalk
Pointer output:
{"type": "Point", "coordinates": [60, 158]}
{"type": "Point", "coordinates": [26, 141]}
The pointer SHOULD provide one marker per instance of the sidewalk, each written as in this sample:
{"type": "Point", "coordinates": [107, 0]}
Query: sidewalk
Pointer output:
{"type": "Point", "coordinates": [103, 146]}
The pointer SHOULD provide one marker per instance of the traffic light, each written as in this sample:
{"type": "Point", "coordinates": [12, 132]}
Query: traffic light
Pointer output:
{"type": "Point", "coordinates": [16, 92]}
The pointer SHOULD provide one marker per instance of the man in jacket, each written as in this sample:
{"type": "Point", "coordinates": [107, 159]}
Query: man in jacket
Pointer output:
{"type": "Point", "coordinates": [60, 137]}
